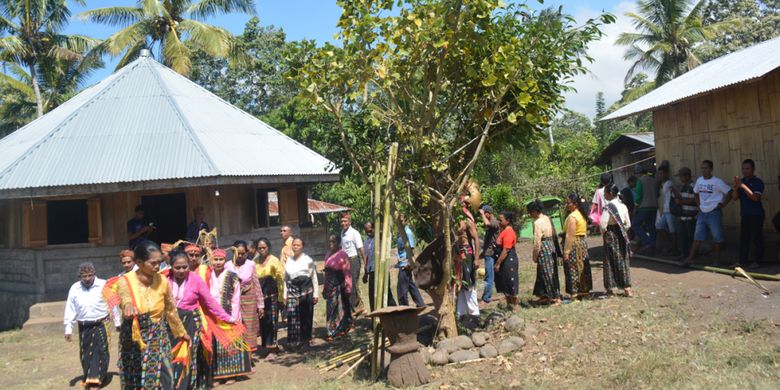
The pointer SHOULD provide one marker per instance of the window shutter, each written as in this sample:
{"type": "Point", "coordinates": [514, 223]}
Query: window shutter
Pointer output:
{"type": "Point", "coordinates": [95, 219]}
{"type": "Point", "coordinates": [34, 224]}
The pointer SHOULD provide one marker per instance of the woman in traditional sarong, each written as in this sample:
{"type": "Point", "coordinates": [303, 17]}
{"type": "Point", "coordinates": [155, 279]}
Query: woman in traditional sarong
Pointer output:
{"type": "Point", "coordinates": [614, 224]}
{"type": "Point", "coordinates": [193, 301]}
{"type": "Point", "coordinates": [225, 286]}
{"type": "Point", "coordinates": [547, 287]}
{"type": "Point", "coordinates": [148, 310]}
{"type": "Point", "coordinates": [507, 265]}
{"type": "Point", "coordinates": [576, 264]}
{"type": "Point", "coordinates": [252, 302]}
{"type": "Point", "coordinates": [338, 286]}
{"type": "Point", "coordinates": [465, 273]}
{"type": "Point", "coordinates": [301, 293]}
{"type": "Point", "coordinates": [270, 272]}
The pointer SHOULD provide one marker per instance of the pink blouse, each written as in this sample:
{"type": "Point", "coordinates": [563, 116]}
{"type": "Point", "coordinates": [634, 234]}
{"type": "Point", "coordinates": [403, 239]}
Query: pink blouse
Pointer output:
{"type": "Point", "coordinates": [246, 274]}
{"type": "Point", "coordinates": [339, 261]}
{"type": "Point", "coordinates": [193, 293]}
{"type": "Point", "coordinates": [216, 293]}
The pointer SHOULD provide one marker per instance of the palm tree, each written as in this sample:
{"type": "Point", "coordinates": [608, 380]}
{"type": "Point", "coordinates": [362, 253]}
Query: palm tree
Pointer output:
{"type": "Point", "coordinates": [171, 26]}
{"type": "Point", "coordinates": [668, 33]}
{"type": "Point", "coordinates": [58, 80]}
{"type": "Point", "coordinates": [32, 31]}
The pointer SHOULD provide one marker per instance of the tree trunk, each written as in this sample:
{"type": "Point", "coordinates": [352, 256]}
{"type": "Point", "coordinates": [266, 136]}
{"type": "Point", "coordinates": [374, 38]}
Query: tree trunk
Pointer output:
{"type": "Point", "coordinates": [37, 90]}
{"type": "Point", "coordinates": [442, 294]}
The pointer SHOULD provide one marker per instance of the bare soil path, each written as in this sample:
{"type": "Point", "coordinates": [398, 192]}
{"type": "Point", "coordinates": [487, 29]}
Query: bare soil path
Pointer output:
{"type": "Point", "coordinates": [684, 329]}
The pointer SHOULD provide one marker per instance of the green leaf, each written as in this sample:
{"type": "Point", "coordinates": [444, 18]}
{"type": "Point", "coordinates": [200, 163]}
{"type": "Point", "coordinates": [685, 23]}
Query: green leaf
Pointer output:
{"type": "Point", "coordinates": [512, 118]}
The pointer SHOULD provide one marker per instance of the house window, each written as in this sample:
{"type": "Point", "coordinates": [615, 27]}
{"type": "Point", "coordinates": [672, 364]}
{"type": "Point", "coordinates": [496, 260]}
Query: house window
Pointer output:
{"type": "Point", "coordinates": [267, 204]}
{"type": "Point", "coordinates": [67, 222]}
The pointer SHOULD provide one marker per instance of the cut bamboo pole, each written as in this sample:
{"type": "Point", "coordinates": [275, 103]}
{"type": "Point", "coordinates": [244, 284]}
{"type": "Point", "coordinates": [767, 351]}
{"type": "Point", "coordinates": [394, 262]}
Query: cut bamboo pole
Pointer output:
{"type": "Point", "coordinates": [352, 367]}
{"type": "Point", "coordinates": [724, 271]}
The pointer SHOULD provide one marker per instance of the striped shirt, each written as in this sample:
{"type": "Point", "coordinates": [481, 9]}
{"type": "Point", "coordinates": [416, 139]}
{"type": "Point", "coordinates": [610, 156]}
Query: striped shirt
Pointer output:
{"type": "Point", "coordinates": [686, 194]}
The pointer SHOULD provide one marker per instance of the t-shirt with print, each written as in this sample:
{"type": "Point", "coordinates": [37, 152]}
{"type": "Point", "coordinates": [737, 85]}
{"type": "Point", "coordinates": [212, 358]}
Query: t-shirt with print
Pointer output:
{"type": "Point", "coordinates": [711, 192]}
{"type": "Point", "coordinates": [351, 242]}
{"type": "Point", "coordinates": [666, 192]}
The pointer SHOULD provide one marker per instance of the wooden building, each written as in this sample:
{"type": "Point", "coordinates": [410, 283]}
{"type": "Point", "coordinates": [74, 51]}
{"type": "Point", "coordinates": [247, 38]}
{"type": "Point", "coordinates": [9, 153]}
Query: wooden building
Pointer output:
{"type": "Point", "coordinates": [726, 111]}
{"type": "Point", "coordinates": [625, 152]}
{"type": "Point", "coordinates": [70, 180]}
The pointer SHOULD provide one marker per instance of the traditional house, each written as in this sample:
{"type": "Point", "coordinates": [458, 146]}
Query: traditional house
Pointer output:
{"type": "Point", "coordinates": [625, 152]}
{"type": "Point", "coordinates": [70, 180]}
{"type": "Point", "coordinates": [725, 110]}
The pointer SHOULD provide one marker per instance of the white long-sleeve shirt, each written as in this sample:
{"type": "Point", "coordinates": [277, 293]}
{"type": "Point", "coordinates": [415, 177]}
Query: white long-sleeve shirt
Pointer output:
{"type": "Point", "coordinates": [303, 266]}
{"type": "Point", "coordinates": [607, 219]}
{"type": "Point", "coordinates": [86, 304]}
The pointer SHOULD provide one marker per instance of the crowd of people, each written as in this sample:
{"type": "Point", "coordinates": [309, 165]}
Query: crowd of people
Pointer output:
{"type": "Point", "coordinates": [675, 219]}
{"type": "Point", "coordinates": [195, 315]}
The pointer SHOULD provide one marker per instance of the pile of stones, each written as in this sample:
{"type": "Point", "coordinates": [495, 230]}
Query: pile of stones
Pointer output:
{"type": "Point", "coordinates": [481, 344]}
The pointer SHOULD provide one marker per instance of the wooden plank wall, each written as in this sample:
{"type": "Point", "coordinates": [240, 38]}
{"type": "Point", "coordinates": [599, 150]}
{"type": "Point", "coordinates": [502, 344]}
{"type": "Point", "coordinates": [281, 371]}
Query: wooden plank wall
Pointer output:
{"type": "Point", "coordinates": [727, 127]}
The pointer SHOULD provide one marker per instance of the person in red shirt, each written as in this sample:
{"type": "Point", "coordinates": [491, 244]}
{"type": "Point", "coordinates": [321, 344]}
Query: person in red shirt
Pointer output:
{"type": "Point", "coordinates": [507, 264]}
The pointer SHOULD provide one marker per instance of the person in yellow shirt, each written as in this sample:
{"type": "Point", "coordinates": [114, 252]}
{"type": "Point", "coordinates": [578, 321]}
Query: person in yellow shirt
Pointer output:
{"type": "Point", "coordinates": [148, 311]}
{"type": "Point", "coordinates": [287, 239]}
{"type": "Point", "coordinates": [270, 272]}
{"type": "Point", "coordinates": [576, 264]}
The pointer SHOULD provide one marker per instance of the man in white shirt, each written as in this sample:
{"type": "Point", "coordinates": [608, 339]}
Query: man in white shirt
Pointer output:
{"type": "Point", "coordinates": [352, 244]}
{"type": "Point", "coordinates": [86, 306]}
{"type": "Point", "coordinates": [712, 195]}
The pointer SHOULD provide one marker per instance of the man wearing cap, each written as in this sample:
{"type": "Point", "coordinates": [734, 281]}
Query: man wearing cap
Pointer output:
{"type": "Point", "coordinates": [685, 205]}
{"type": "Point", "coordinates": [646, 202]}
{"type": "Point", "coordinates": [488, 250]}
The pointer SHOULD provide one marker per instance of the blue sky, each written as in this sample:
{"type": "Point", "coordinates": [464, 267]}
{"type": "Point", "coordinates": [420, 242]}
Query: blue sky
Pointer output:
{"type": "Point", "coordinates": [316, 19]}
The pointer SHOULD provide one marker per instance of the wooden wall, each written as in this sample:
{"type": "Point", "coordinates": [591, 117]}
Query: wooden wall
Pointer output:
{"type": "Point", "coordinates": [623, 159]}
{"type": "Point", "coordinates": [727, 127]}
{"type": "Point", "coordinates": [233, 212]}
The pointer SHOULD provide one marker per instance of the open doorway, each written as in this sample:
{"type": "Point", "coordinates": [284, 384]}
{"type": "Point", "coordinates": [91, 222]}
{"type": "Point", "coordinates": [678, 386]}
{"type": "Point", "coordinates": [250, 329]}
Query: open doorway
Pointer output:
{"type": "Point", "coordinates": [168, 213]}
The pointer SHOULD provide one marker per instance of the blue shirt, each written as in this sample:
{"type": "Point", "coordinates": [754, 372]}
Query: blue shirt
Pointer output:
{"type": "Point", "coordinates": [402, 260]}
{"type": "Point", "coordinates": [368, 245]}
{"type": "Point", "coordinates": [747, 206]}
{"type": "Point", "coordinates": [133, 226]}
{"type": "Point", "coordinates": [194, 228]}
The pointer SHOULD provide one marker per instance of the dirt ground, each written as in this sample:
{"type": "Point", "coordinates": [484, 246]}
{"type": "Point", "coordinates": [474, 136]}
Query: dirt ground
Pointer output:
{"type": "Point", "coordinates": [684, 329]}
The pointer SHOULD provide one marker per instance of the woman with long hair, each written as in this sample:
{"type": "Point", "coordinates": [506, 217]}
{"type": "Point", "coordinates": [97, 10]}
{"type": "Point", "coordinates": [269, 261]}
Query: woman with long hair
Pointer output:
{"type": "Point", "coordinates": [193, 302]}
{"type": "Point", "coordinates": [270, 273]}
{"type": "Point", "coordinates": [225, 286]}
{"type": "Point", "coordinates": [252, 302]}
{"type": "Point", "coordinates": [547, 287]}
{"type": "Point", "coordinates": [576, 264]}
{"type": "Point", "coordinates": [148, 310]}
{"type": "Point", "coordinates": [338, 287]}
{"type": "Point", "coordinates": [598, 202]}
{"type": "Point", "coordinates": [507, 264]}
{"type": "Point", "coordinates": [301, 293]}
{"type": "Point", "coordinates": [614, 224]}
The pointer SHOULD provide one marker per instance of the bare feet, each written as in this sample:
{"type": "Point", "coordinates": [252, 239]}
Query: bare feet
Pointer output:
{"type": "Point", "coordinates": [629, 293]}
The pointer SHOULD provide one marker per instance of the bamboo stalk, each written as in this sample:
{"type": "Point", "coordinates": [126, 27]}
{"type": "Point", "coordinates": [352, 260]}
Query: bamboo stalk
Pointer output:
{"type": "Point", "coordinates": [352, 367]}
{"type": "Point", "coordinates": [742, 272]}
{"type": "Point", "coordinates": [724, 271]}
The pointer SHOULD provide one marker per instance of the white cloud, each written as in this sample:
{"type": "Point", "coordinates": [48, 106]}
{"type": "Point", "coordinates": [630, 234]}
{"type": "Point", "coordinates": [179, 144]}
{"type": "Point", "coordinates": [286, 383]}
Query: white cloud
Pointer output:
{"type": "Point", "coordinates": [608, 70]}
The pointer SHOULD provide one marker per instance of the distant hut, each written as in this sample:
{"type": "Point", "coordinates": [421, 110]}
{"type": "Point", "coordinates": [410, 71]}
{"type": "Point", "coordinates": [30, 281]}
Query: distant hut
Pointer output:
{"type": "Point", "coordinates": [145, 135]}
{"type": "Point", "coordinates": [725, 110]}
{"type": "Point", "coordinates": [625, 152]}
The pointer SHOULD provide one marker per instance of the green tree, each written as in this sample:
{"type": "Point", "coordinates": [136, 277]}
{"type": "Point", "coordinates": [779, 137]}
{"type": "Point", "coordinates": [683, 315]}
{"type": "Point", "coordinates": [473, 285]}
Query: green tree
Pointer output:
{"type": "Point", "coordinates": [444, 80]}
{"type": "Point", "coordinates": [172, 26]}
{"type": "Point", "coordinates": [258, 85]}
{"type": "Point", "coordinates": [58, 81]}
{"type": "Point", "coordinates": [760, 22]}
{"type": "Point", "coordinates": [668, 32]}
{"type": "Point", "coordinates": [32, 34]}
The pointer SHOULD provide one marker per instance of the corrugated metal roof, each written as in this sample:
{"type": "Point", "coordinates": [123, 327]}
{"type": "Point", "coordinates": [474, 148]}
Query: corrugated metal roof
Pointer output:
{"type": "Point", "coordinates": [144, 123]}
{"type": "Point", "coordinates": [636, 141]}
{"type": "Point", "coordinates": [738, 67]}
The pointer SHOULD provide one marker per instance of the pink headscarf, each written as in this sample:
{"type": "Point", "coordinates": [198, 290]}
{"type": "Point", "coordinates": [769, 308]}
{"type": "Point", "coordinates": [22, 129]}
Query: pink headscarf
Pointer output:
{"type": "Point", "coordinates": [219, 252]}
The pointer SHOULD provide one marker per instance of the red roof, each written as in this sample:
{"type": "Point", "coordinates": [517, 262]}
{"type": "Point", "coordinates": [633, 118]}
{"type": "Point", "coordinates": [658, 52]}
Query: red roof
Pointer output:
{"type": "Point", "coordinates": [315, 207]}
